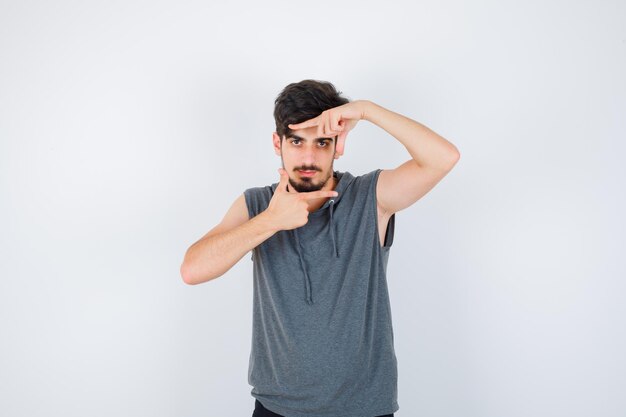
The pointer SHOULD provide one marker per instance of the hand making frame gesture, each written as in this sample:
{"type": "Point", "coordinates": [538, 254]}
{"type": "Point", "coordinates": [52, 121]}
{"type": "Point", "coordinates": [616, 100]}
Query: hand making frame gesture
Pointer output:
{"type": "Point", "coordinates": [336, 121]}
{"type": "Point", "coordinates": [288, 207]}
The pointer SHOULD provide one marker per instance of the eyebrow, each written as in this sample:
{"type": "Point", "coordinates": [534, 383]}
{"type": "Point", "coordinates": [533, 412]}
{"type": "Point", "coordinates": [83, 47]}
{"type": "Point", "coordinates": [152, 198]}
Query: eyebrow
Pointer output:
{"type": "Point", "coordinates": [304, 140]}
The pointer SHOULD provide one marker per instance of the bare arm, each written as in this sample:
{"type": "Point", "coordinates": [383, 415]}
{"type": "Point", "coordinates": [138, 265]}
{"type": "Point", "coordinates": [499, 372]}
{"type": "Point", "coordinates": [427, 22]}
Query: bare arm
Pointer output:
{"type": "Point", "coordinates": [224, 245]}
{"type": "Point", "coordinates": [432, 155]}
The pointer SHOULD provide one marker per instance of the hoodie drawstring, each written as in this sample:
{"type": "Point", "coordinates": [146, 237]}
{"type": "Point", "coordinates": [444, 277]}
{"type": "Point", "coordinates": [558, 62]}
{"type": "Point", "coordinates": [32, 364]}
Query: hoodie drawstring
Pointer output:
{"type": "Point", "coordinates": [307, 279]}
{"type": "Point", "coordinates": [332, 229]}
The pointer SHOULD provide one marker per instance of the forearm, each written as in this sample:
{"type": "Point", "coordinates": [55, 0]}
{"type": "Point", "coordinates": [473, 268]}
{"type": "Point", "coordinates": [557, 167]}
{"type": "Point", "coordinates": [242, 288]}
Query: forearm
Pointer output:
{"type": "Point", "coordinates": [426, 147]}
{"type": "Point", "coordinates": [212, 256]}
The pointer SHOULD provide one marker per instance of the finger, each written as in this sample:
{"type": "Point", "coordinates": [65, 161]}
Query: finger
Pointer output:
{"type": "Point", "coordinates": [288, 187]}
{"type": "Point", "coordinates": [284, 180]}
{"type": "Point", "coordinates": [333, 125]}
{"type": "Point", "coordinates": [327, 129]}
{"type": "Point", "coordinates": [319, 194]}
{"type": "Point", "coordinates": [336, 124]}
{"type": "Point", "coordinates": [305, 124]}
{"type": "Point", "coordinates": [341, 141]}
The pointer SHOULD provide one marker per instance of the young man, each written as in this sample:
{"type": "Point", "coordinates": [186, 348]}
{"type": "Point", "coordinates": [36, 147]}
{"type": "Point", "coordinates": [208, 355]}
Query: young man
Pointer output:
{"type": "Point", "coordinates": [322, 342]}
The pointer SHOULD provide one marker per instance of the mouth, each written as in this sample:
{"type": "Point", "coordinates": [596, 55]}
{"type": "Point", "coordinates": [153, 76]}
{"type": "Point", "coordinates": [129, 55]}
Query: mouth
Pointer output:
{"type": "Point", "coordinates": [307, 173]}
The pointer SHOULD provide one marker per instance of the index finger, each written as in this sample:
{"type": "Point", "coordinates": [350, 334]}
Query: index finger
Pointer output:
{"type": "Point", "coordinates": [319, 194]}
{"type": "Point", "coordinates": [307, 123]}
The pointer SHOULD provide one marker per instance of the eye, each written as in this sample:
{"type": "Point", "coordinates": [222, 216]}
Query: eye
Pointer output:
{"type": "Point", "coordinates": [293, 142]}
{"type": "Point", "coordinates": [323, 142]}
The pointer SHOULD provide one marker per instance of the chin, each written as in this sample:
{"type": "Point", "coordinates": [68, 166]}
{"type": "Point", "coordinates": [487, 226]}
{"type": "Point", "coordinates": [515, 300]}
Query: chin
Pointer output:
{"type": "Point", "coordinates": [305, 187]}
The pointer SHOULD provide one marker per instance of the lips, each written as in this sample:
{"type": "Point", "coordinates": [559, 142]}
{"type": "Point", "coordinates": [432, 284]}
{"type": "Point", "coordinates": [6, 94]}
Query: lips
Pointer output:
{"type": "Point", "coordinates": [307, 173]}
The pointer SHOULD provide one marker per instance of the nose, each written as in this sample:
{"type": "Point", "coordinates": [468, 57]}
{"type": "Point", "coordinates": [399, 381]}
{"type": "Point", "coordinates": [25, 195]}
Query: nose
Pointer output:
{"type": "Point", "coordinates": [308, 156]}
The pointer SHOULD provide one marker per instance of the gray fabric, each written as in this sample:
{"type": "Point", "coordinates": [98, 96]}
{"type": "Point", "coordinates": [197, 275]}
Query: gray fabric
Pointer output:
{"type": "Point", "coordinates": [322, 336]}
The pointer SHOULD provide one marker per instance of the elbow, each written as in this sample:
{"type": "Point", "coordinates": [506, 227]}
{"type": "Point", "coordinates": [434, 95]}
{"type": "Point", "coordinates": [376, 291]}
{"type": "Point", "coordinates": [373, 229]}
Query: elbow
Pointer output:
{"type": "Point", "coordinates": [454, 153]}
{"type": "Point", "coordinates": [190, 275]}
{"type": "Point", "coordinates": [454, 157]}
{"type": "Point", "coordinates": [187, 271]}
{"type": "Point", "coordinates": [457, 153]}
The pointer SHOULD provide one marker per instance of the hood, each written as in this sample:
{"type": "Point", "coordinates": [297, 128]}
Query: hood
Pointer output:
{"type": "Point", "coordinates": [344, 179]}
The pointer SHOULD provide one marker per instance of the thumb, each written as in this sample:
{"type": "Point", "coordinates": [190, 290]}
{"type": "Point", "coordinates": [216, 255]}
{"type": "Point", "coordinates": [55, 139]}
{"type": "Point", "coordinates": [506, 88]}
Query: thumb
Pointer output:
{"type": "Point", "coordinates": [341, 142]}
{"type": "Point", "coordinates": [284, 180]}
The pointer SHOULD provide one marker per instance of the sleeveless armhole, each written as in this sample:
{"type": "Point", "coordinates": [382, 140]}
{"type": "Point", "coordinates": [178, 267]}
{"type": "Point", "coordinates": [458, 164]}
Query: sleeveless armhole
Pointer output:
{"type": "Point", "coordinates": [390, 231]}
{"type": "Point", "coordinates": [248, 196]}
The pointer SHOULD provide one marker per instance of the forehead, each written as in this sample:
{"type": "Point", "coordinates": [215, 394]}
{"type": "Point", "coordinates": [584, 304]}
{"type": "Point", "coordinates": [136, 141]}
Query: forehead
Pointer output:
{"type": "Point", "coordinates": [309, 133]}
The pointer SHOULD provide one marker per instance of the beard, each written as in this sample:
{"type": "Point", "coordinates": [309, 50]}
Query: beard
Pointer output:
{"type": "Point", "coordinates": [305, 185]}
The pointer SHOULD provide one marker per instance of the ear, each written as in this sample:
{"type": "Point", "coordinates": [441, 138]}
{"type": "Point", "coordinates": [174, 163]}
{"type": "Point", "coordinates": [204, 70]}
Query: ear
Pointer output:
{"type": "Point", "coordinates": [277, 144]}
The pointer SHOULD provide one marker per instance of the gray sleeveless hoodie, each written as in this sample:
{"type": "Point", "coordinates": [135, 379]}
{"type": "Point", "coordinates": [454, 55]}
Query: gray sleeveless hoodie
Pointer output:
{"type": "Point", "coordinates": [322, 336]}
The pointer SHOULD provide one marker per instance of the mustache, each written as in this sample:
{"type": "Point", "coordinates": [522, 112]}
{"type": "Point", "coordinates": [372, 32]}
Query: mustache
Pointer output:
{"type": "Point", "coordinates": [307, 169]}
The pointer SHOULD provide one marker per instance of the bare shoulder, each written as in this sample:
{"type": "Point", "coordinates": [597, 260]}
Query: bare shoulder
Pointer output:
{"type": "Point", "coordinates": [236, 215]}
{"type": "Point", "coordinates": [401, 187]}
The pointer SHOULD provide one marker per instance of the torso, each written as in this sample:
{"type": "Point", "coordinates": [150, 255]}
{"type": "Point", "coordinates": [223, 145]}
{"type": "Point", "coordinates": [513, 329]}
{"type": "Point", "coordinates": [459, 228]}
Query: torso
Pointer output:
{"type": "Point", "coordinates": [383, 218]}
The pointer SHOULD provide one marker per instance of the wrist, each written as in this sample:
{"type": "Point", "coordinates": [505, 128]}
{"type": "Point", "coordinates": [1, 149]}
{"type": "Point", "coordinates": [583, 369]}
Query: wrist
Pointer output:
{"type": "Point", "coordinates": [367, 107]}
{"type": "Point", "coordinates": [267, 221]}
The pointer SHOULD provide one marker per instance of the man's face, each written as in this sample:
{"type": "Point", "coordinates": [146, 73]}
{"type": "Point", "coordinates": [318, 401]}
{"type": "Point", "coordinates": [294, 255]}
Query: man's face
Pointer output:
{"type": "Point", "coordinates": [308, 159]}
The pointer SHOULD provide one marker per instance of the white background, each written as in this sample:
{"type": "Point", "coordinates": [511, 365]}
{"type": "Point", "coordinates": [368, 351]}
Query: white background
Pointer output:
{"type": "Point", "coordinates": [128, 128]}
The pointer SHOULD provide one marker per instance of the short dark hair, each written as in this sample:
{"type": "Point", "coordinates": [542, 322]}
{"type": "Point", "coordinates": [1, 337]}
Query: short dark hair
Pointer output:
{"type": "Point", "coordinates": [302, 101]}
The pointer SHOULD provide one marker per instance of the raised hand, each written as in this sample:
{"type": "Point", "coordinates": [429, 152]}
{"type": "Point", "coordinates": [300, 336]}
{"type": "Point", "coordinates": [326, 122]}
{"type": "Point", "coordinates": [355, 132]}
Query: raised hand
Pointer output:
{"type": "Point", "coordinates": [288, 208]}
{"type": "Point", "coordinates": [337, 121]}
